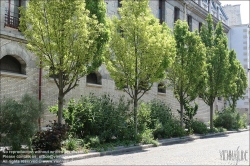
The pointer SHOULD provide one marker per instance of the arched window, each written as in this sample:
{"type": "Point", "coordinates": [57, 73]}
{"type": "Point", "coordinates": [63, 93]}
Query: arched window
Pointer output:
{"type": "Point", "coordinates": [94, 78]}
{"type": "Point", "coordinates": [11, 64]}
{"type": "Point", "coordinates": [161, 88]}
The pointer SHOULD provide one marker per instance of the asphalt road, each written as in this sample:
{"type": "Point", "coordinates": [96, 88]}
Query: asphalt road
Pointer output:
{"type": "Point", "coordinates": [231, 149]}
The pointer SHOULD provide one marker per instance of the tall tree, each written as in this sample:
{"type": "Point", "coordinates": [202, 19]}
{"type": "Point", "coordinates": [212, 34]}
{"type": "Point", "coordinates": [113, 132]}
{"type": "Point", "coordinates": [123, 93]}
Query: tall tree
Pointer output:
{"type": "Point", "coordinates": [217, 63]}
{"type": "Point", "coordinates": [67, 38]}
{"type": "Point", "coordinates": [186, 76]}
{"type": "Point", "coordinates": [140, 50]}
{"type": "Point", "coordinates": [237, 80]}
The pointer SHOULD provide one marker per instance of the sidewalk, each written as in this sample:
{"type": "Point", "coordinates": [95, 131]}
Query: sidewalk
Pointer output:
{"type": "Point", "coordinates": [121, 149]}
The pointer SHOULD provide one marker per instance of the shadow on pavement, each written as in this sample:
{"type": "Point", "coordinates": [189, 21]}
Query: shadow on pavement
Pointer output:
{"type": "Point", "coordinates": [130, 152]}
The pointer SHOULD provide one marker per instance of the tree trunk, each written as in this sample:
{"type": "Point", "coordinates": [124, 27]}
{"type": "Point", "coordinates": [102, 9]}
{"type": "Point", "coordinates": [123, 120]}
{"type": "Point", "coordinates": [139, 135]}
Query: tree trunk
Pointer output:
{"type": "Point", "coordinates": [234, 104]}
{"type": "Point", "coordinates": [60, 106]}
{"type": "Point", "coordinates": [181, 111]}
{"type": "Point", "coordinates": [135, 114]}
{"type": "Point", "coordinates": [211, 116]}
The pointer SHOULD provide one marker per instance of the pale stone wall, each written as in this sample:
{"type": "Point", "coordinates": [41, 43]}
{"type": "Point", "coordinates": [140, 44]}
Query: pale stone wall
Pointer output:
{"type": "Point", "coordinates": [15, 85]}
{"type": "Point", "coordinates": [233, 13]}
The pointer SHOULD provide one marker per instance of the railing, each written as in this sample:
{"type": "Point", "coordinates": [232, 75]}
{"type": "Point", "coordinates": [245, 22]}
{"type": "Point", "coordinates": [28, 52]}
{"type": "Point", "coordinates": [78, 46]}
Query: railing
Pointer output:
{"type": "Point", "coordinates": [11, 21]}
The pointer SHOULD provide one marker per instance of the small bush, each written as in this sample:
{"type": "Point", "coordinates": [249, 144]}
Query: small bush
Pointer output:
{"type": "Point", "coordinates": [157, 117]}
{"type": "Point", "coordinates": [221, 129]}
{"type": "Point", "coordinates": [188, 115]}
{"type": "Point", "coordinates": [51, 139]}
{"type": "Point", "coordinates": [18, 120]}
{"type": "Point", "coordinates": [214, 130]}
{"type": "Point", "coordinates": [241, 121]}
{"type": "Point", "coordinates": [230, 119]}
{"type": "Point", "coordinates": [173, 129]}
{"type": "Point", "coordinates": [92, 141]}
{"type": "Point", "coordinates": [146, 137]}
{"type": "Point", "coordinates": [199, 127]}
{"type": "Point", "coordinates": [72, 144]}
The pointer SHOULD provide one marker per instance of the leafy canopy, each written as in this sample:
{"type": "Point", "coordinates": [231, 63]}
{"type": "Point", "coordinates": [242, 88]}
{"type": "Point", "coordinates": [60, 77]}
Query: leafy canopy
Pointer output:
{"type": "Point", "coordinates": [141, 49]}
{"type": "Point", "coordinates": [63, 35]}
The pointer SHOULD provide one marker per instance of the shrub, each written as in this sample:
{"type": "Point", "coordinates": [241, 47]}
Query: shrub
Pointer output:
{"type": "Point", "coordinates": [160, 112]}
{"type": "Point", "coordinates": [154, 115]}
{"type": "Point", "coordinates": [199, 127]}
{"type": "Point", "coordinates": [18, 120]}
{"type": "Point", "coordinates": [229, 119]}
{"type": "Point", "coordinates": [144, 117]}
{"type": "Point", "coordinates": [157, 116]}
{"type": "Point", "coordinates": [173, 129]}
{"type": "Point", "coordinates": [92, 142]}
{"type": "Point", "coordinates": [51, 139]}
{"type": "Point", "coordinates": [146, 137]}
{"type": "Point", "coordinates": [189, 114]}
{"type": "Point", "coordinates": [241, 121]}
{"type": "Point", "coordinates": [100, 116]}
{"type": "Point", "coordinates": [72, 144]}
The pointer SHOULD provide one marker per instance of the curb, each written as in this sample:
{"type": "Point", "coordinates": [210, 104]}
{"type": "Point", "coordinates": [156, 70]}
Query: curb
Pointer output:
{"type": "Point", "coordinates": [170, 141]}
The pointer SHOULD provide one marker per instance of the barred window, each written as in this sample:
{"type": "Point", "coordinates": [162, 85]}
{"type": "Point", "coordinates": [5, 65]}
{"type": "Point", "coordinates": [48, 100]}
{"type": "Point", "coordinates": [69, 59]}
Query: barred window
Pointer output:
{"type": "Point", "coordinates": [176, 14]}
{"type": "Point", "coordinates": [94, 78]}
{"type": "Point", "coordinates": [10, 64]}
{"type": "Point", "coordinates": [12, 13]}
{"type": "Point", "coordinates": [161, 11]}
{"type": "Point", "coordinates": [161, 88]}
{"type": "Point", "coordinates": [119, 3]}
{"type": "Point", "coordinates": [189, 20]}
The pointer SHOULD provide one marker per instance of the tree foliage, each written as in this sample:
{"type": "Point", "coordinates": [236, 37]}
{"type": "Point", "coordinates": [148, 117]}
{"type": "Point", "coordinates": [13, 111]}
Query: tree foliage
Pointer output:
{"type": "Point", "coordinates": [215, 41]}
{"type": "Point", "coordinates": [186, 76]}
{"type": "Point", "coordinates": [140, 50]}
{"type": "Point", "coordinates": [67, 38]}
{"type": "Point", "coordinates": [237, 80]}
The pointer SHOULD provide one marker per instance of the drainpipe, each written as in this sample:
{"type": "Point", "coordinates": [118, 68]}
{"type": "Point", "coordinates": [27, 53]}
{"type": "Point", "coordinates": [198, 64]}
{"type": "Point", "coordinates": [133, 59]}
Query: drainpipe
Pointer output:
{"type": "Point", "coordinates": [185, 11]}
{"type": "Point", "coordinates": [40, 92]}
{"type": "Point", "coordinates": [209, 6]}
{"type": "Point", "coordinates": [218, 13]}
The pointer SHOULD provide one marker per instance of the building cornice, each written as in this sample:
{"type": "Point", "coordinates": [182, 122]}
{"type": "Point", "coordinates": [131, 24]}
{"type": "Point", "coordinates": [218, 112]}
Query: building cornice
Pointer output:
{"type": "Point", "coordinates": [202, 13]}
{"type": "Point", "coordinates": [12, 38]}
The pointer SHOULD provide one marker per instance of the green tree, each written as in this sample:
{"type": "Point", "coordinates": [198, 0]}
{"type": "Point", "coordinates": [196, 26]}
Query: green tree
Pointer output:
{"type": "Point", "coordinates": [186, 76]}
{"type": "Point", "coordinates": [67, 38]}
{"type": "Point", "coordinates": [217, 63]}
{"type": "Point", "coordinates": [140, 50]}
{"type": "Point", "coordinates": [237, 80]}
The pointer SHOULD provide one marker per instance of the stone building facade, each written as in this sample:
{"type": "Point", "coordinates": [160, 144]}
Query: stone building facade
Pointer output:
{"type": "Point", "coordinates": [19, 73]}
{"type": "Point", "coordinates": [233, 13]}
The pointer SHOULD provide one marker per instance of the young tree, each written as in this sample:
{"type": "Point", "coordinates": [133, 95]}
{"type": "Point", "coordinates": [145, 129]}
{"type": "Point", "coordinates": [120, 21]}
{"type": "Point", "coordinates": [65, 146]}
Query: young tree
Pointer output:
{"type": "Point", "coordinates": [67, 38]}
{"type": "Point", "coordinates": [186, 75]}
{"type": "Point", "coordinates": [237, 80]}
{"type": "Point", "coordinates": [217, 63]}
{"type": "Point", "coordinates": [140, 50]}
